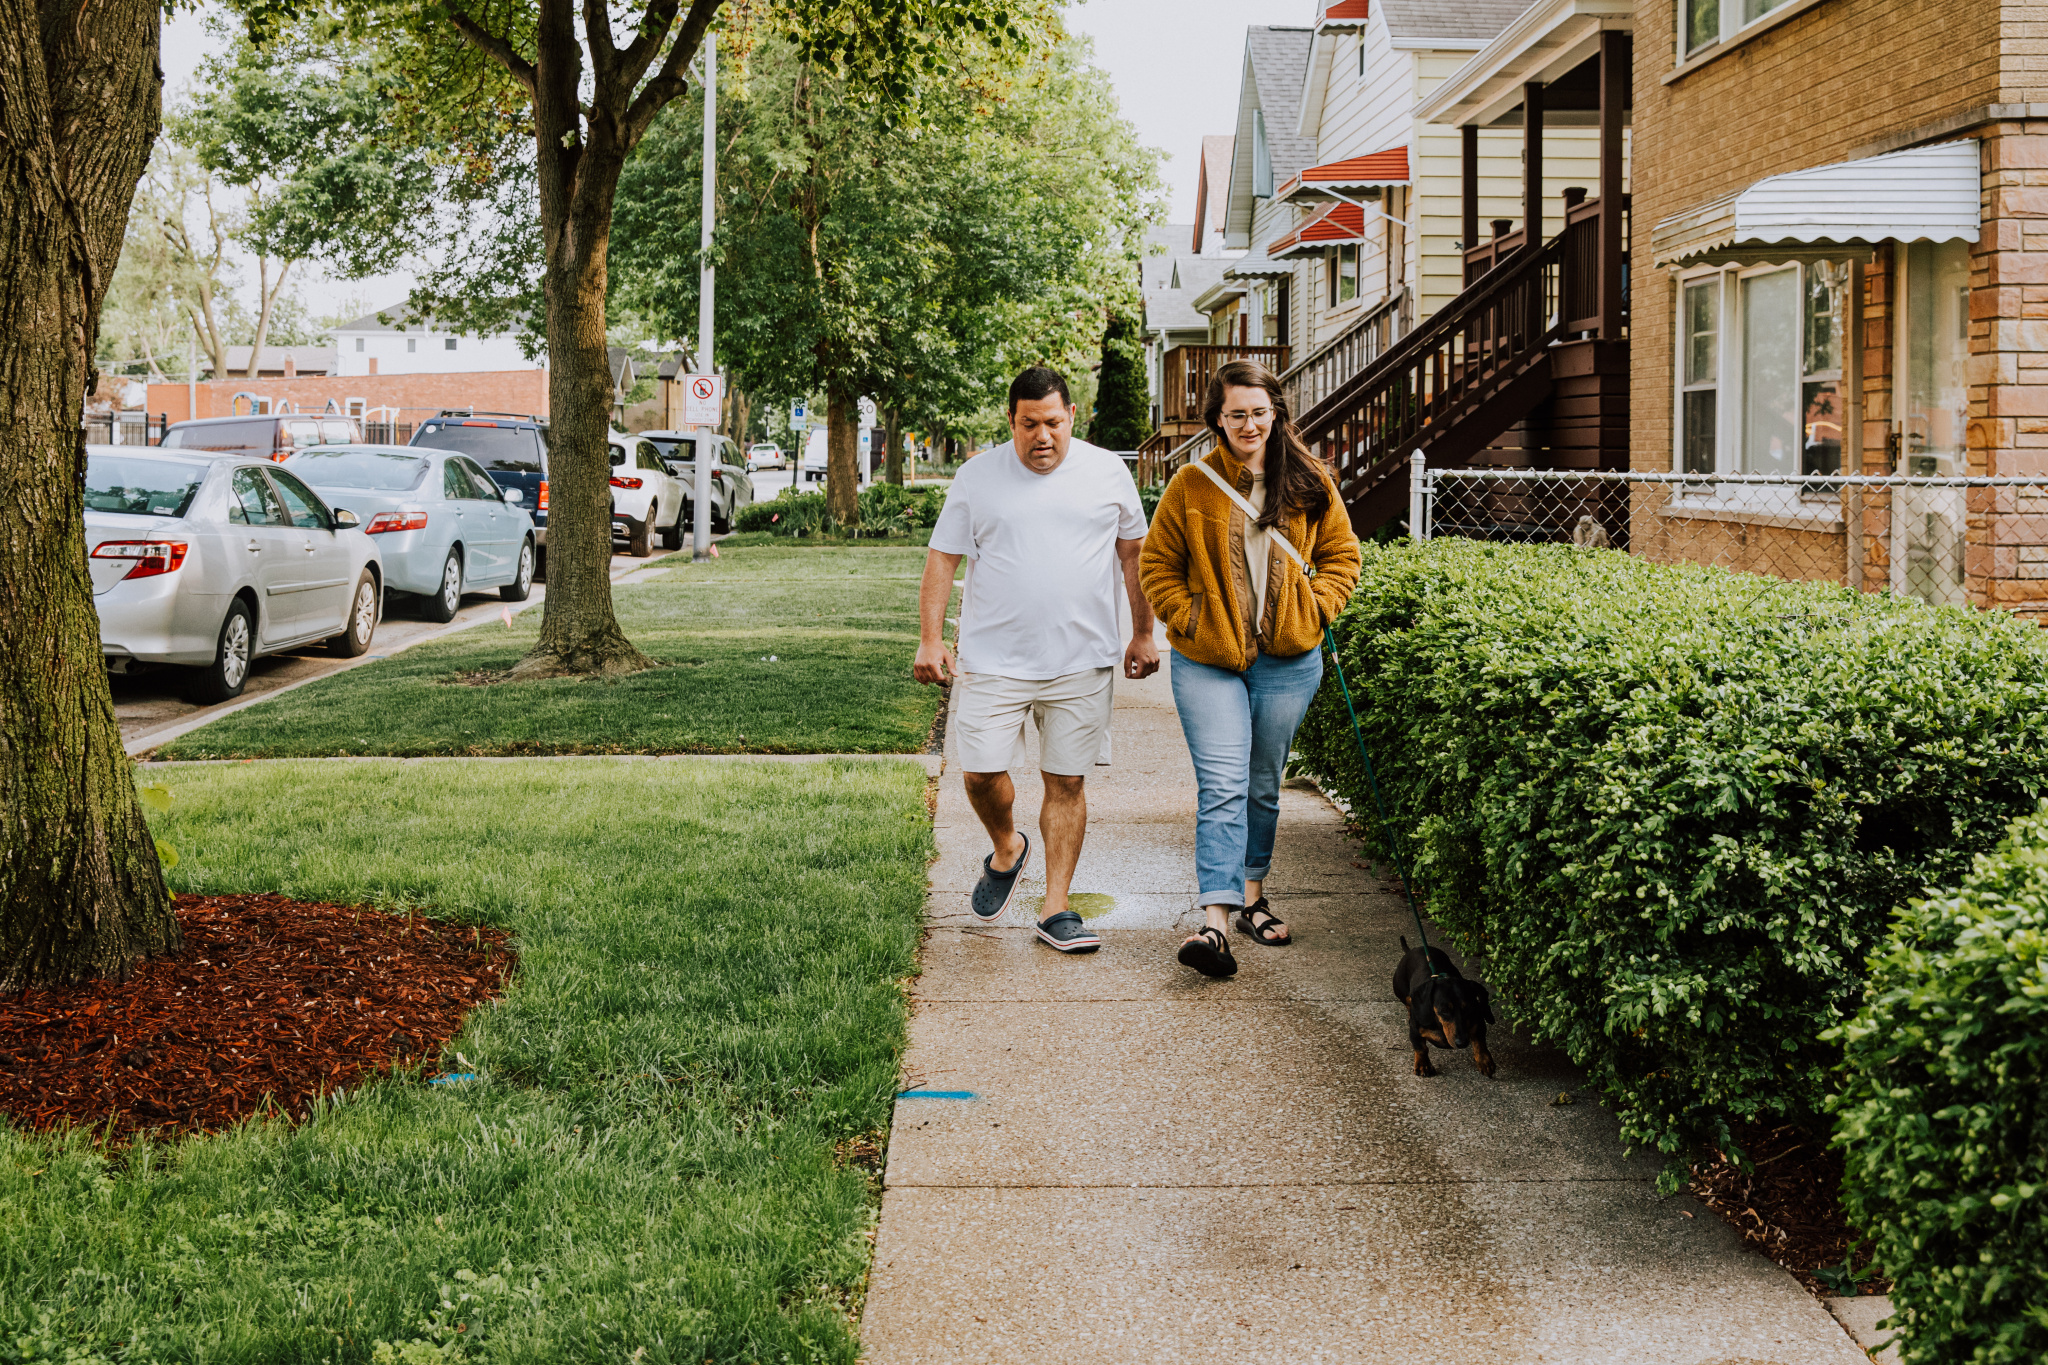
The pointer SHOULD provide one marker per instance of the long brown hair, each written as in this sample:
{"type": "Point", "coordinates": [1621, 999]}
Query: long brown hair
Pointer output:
{"type": "Point", "coordinates": [1295, 479]}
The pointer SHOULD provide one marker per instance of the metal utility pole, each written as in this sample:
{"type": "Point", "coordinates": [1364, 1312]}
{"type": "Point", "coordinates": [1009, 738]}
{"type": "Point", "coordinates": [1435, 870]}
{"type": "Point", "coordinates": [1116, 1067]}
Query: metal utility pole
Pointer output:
{"type": "Point", "coordinates": [700, 520]}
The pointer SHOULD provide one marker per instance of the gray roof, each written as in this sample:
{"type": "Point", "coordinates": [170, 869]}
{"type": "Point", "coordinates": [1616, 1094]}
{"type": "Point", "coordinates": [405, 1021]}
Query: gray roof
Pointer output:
{"type": "Point", "coordinates": [392, 319]}
{"type": "Point", "coordinates": [1275, 63]}
{"type": "Point", "coordinates": [1460, 22]}
{"type": "Point", "coordinates": [1170, 309]}
{"type": "Point", "coordinates": [305, 360]}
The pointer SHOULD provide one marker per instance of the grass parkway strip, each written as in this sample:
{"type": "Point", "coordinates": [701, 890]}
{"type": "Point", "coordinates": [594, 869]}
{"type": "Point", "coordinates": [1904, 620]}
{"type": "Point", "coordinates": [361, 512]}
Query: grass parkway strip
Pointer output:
{"type": "Point", "coordinates": [667, 1153]}
{"type": "Point", "coordinates": [764, 650]}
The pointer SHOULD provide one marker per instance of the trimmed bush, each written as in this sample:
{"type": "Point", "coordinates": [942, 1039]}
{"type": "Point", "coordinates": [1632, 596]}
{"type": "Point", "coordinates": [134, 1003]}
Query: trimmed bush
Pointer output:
{"type": "Point", "coordinates": [1674, 808]}
{"type": "Point", "coordinates": [1943, 1125]}
{"type": "Point", "coordinates": [886, 509]}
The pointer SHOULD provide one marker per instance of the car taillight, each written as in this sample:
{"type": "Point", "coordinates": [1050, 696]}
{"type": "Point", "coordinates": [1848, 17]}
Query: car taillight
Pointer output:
{"type": "Point", "coordinates": [281, 454]}
{"type": "Point", "coordinates": [543, 503]}
{"type": "Point", "coordinates": [395, 521]}
{"type": "Point", "coordinates": [150, 557]}
{"type": "Point", "coordinates": [625, 483]}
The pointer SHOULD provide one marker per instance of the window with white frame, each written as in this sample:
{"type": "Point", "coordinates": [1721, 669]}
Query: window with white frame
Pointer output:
{"type": "Point", "coordinates": [1759, 369]}
{"type": "Point", "coordinates": [1343, 269]}
{"type": "Point", "coordinates": [1702, 23]}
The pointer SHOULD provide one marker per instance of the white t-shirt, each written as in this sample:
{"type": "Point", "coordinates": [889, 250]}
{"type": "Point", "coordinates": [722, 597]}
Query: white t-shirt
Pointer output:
{"type": "Point", "coordinates": [1042, 571]}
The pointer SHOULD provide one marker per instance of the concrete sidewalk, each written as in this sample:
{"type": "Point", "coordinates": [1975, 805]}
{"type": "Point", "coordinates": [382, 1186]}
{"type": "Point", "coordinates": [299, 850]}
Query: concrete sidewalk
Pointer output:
{"type": "Point", "coordinates": [1156, 1167]}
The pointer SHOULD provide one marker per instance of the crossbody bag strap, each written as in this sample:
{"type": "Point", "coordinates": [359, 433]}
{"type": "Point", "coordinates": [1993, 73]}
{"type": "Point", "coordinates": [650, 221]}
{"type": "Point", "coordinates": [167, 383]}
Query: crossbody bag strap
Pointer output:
{"type": "Point", "coordinates": [1251, 513]}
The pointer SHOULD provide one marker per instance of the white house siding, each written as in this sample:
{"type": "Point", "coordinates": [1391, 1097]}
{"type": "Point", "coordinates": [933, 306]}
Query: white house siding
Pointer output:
{"type": "Point", "coordinates": [1362, 115]}
{"type": "Point", "coordinates": [1571, 156]}
{"type": "Point", "coordinates": [354, 350]}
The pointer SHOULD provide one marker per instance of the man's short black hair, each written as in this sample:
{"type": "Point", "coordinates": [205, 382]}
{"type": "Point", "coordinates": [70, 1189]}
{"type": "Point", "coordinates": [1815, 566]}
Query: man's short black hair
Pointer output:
{"type": "Point", "coordinates": [1035, 383]}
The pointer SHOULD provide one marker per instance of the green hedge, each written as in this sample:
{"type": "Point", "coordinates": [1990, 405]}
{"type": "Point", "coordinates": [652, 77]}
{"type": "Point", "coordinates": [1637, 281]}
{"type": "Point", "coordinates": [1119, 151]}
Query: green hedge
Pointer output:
{"type": "Point", "coordinates": [1674, 808]}
{"type": "Point", "coordinates": [1943, 1124]}
{"type": "Point", "coordinates": [886, 509]}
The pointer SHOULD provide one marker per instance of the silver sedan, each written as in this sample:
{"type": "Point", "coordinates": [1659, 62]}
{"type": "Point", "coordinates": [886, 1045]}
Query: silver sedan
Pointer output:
{"type": "Point", "coordinates": [442, 526]}
{"type": "Point", "coordinates": [209, 561]}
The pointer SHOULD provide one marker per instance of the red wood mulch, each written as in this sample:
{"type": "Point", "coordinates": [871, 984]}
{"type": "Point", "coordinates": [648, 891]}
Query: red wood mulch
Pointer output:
{"type": "Point", "coordinates": [271, 1003]}
{"type": "Point", "coordinates": [1788, 1206]}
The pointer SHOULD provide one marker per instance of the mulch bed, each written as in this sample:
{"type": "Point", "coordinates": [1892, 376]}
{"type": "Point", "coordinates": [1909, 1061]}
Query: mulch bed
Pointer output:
{"type": "Point", "coordinates": [1788, 1205]}
{"type": "Point", "coordinates": [272, 1003]}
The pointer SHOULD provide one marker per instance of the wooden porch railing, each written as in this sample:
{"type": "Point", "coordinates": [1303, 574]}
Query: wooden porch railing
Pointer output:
{"type": "Point", "coordinates": [1188, 369]}
{"type": "Point", "coordinates": [1582, 236]}
{"type": "Point", "coordinates": [1156, 467]}
{"type": "Point", "coordinates": [1317, 377]}
{"type": "Point", "coordinates": [1484, 355]}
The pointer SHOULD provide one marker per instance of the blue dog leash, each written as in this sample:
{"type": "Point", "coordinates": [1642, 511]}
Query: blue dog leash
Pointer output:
{"type": "Point", "coordinates": [1379, 803]}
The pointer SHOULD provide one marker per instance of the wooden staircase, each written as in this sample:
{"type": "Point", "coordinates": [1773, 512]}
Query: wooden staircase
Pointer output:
{"type": "Point", "coordinates": [1507, 374]}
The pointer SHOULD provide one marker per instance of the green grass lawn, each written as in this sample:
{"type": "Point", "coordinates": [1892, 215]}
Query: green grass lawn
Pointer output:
{"type": "Point", "coordinates": [707, 1008]}
{"type": "Point", "coordinates": [767, 649]}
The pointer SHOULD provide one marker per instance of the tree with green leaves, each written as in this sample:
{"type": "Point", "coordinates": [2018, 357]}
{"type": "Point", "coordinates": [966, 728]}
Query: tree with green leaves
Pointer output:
{"type": "Point", "coordinates": [916, 262]}
{"type": "Point", "coordinates": [1123, 414]}
{"type": "Point", "coordinates": [81, 892]}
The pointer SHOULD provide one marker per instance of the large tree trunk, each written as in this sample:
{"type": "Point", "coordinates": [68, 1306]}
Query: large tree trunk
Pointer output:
{"type": "Point", "coordinates": [81, 892]}
{"type": "Point", "coordinates": [842, 458]}
{"type": "Point", "coordinates": [892, 468]}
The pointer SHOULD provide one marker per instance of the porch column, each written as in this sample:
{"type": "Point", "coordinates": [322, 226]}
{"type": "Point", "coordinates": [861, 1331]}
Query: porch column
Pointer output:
{"type": "Point", "coordinates": [1532, 164]}
{"type": "Point", "coordinates": [1469, 223]}
{"type": "Point", "coordinates": [1614, 85]}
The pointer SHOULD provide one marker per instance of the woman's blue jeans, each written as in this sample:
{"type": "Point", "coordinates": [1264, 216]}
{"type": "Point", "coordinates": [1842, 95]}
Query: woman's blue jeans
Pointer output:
{"type": "Point", "coordinates": [1239, 727]}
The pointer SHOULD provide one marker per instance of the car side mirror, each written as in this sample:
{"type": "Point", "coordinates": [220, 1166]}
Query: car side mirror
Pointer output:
{"type": "Point", "coordinates": [513, 494]}
{"type": "Point", "coordinates": [345, 520]}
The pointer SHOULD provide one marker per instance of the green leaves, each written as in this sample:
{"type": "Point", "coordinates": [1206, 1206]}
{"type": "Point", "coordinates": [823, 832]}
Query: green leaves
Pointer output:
{"type": "Point", "coordinates": [1674, 809]}
{"type": "Point", "coordinates": [1941, 1119]}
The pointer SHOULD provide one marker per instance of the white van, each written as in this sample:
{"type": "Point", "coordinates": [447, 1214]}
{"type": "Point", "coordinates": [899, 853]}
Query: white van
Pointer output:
{"type": "Point", "coordinates": [813, 464]}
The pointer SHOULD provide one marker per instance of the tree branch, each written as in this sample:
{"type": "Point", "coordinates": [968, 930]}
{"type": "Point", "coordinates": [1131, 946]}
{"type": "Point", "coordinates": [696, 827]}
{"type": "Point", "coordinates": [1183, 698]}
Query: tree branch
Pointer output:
{"type": "Point", "coordinates": [494, 47]}
{"type": "Point", "coordinates": [597, 33]}
{"type": "Point", "coordinates": [672, 80]}
{"type": "Point", "coordinates": [640, 53]}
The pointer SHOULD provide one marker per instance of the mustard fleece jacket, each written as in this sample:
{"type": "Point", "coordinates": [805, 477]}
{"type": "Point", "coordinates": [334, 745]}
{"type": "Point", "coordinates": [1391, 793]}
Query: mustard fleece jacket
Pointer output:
{"type": "Point", "coordinates": [1192, 571]}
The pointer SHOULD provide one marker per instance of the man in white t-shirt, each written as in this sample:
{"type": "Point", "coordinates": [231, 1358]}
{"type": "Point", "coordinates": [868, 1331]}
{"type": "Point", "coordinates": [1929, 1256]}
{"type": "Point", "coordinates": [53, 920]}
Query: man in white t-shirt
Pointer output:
{"type": "Point", "coordinates": [1047, 524]}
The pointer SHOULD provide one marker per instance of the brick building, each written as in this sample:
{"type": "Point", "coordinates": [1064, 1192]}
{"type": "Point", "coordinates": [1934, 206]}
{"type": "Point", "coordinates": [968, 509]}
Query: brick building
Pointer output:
{"type": "Point", "coordinates": [389, 399]}
{"type": "Point", "coordinates": [1840, 238]}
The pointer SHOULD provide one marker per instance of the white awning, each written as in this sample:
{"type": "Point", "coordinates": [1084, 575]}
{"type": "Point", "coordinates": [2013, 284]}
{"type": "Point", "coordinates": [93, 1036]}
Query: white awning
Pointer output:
{"type": "Point", "coordinates": [1923, 194]}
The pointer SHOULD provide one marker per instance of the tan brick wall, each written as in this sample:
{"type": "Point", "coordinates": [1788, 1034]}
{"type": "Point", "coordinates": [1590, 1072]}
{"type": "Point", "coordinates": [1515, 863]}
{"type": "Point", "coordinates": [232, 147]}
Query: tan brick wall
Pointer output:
{"type": "Point", "coordinates": [417, 395]}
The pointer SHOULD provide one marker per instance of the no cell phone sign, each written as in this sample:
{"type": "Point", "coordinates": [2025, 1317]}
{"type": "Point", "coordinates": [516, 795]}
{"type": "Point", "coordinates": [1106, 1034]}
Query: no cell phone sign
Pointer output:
{"type": "Point", "coordinates": [701, 395]}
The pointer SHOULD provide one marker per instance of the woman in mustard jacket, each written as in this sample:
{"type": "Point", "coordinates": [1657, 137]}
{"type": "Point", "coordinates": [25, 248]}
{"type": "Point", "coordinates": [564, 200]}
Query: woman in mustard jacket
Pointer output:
{"type": "Point", "coordinates": [1245, 620]}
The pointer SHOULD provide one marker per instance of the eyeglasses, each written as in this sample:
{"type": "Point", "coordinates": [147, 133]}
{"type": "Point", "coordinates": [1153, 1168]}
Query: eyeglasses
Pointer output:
{"type": "Point", "coordinates": [1258, 416]}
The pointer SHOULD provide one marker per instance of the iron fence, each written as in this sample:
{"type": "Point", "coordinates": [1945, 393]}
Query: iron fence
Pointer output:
{"type": "Point", "coordinates": [124, 428]}
{"type": "Point", "coordinates": [1952, 540]}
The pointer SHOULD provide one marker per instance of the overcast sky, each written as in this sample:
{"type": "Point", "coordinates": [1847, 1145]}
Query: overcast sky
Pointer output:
{"type": "Point", "coordinates": [1175, 63]}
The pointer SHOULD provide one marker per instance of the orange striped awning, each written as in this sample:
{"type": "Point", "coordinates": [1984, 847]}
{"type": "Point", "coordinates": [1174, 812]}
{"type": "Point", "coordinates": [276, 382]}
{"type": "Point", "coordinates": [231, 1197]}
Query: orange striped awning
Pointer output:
{"type": "Point", "coordinates": [1342, 14]}
{"type": "Point", "coordinates": [1353, 175]}
{"type": "Point", "coordinates": [1337, 225]}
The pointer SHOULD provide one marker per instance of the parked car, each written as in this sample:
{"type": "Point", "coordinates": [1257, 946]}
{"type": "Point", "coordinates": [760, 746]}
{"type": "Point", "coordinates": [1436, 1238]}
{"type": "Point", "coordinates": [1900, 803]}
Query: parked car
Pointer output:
{"type": "Point", "coordinates": [208, 562]}
{"type": "Point", "coordinates": [270, 436]}
{"type": "Point", "coordinates": [731, 488]}
{"type": "Point", "coordinates": [646, 498]}
{"type": "Point", "coordinates": [814, 460]}
{"type": "Point", "coordinates": [765, 456]}
{"type": "Point", "coordinates": [443, 526]}
{"type": "Point", "coordinates": [511, 447]}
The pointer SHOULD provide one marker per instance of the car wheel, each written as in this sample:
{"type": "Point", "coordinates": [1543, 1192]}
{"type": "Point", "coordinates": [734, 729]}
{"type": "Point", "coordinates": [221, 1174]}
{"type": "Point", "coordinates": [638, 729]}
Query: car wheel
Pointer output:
{"type": "Point", "coordinates": [721, 524]}
{"type": "Point", "coordinates": [362, 619]}
{"type": "Point", "coordinates": [442, 604]}
{"type": "Point", "coordinates": [640, 543]}
{"type": "Point", "coordinates": [520, 588]}
{"type": "Point", "coordinates": [233, 652]}
{"type": "Point", "coordinates": [672, 536]}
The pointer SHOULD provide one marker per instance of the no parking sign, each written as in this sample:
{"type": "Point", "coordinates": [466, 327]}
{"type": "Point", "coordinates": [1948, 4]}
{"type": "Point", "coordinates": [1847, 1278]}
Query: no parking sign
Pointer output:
{"type": "Point", "coordinates": [702, 400]}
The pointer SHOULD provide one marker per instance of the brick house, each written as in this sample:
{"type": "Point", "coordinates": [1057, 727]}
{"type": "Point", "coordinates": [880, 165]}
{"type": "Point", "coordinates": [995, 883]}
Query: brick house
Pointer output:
{"type": "Point", "coordinates": [1848, 274]}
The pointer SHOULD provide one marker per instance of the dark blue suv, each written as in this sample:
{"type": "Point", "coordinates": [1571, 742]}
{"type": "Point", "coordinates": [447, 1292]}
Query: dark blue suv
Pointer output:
{"type": "Point", "coordinates": [512, 446]}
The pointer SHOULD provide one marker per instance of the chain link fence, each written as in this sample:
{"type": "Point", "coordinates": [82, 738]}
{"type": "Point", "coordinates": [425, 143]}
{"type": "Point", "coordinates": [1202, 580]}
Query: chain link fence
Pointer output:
{"type": "Point", "coordinates": [1957, 541]}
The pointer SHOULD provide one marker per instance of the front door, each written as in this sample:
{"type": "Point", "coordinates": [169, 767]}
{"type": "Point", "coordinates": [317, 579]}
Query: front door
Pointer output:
{"type": "Point", "coordinates": [316, 597]}
{"type": "Point", "coordinates": [1930, 378]}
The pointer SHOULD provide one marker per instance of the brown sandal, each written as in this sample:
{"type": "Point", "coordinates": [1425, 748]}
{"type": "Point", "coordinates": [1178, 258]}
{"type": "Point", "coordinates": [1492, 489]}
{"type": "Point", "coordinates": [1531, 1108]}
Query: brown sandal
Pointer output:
{"type": "Point", "coordinates": [1247, 921]}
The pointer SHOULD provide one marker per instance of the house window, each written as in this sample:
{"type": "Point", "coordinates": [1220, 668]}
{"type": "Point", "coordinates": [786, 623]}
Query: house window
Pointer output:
{"type": "Point", "coordinates": [1343, 266]}
{"type": "Point", "coordinates": [1759, 361]}
{"type": "Point", "coordinates": [1701, 313]}
{"type": "Point", "coordinates": [412, 344]}
{"type": "Point", "coordinates": [1707, 22]}
{"type": "Point", "coordinates": [448, 344]}
{"type": "Point", "coordinates": [353, 407]}
{"type": "Point", "coordinates": [359, 345]}
{"type": "Point", "coordinates": [1933, 352]}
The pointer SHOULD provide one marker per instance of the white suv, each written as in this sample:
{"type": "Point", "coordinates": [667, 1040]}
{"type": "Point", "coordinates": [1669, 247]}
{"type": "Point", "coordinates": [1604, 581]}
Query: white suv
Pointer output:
{"type": "Point", "coordinates": [765, 456]}
{"type": "Point", "coordinates": [646, 499]}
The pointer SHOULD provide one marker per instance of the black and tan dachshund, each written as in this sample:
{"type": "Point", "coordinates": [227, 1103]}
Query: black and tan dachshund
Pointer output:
{"type": "Point", "coordinates": [1444, 1009]}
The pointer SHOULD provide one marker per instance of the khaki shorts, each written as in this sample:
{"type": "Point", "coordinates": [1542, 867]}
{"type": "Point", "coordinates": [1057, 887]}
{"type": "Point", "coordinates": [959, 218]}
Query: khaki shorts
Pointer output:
{"type": "Point", "coordinates": [1072, 713]}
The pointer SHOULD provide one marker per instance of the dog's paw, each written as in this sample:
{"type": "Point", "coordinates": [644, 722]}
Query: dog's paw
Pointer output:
{"type": "Point", "coordinates": [1423, 1067]}
{"type": "Point", "coordinates": [1485, 1065]}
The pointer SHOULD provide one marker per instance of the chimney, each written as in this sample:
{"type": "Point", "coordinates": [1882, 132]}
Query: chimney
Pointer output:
{"type": "Point", "coordinates": [373, 364]}
{"type": "Point", "coordinates": [291, 366]}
